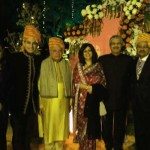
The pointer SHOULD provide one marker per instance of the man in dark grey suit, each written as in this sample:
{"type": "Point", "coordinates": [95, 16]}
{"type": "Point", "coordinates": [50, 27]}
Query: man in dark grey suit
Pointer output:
{"type": "Point", "coordinates": [141, 92]}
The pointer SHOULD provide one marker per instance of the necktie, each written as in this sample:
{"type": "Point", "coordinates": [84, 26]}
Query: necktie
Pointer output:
{"type": "Point", "coordinates": [139, 67]}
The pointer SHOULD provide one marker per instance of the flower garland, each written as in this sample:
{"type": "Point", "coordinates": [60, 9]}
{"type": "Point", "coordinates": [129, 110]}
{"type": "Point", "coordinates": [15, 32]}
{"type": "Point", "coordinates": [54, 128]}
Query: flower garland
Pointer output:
{"type": "Point", "coordinates": [95, 13]}
{"type": "Point", "coordinates": [131, 50]}
{"type": "Point", "coordinates": [132, 7]}
{"type": "Point", "coordinates": [114, 7]}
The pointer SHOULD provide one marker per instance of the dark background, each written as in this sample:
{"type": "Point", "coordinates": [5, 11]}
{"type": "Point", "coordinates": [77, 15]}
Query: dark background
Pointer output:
{"type": "Point", "coordinates": [9, 11]}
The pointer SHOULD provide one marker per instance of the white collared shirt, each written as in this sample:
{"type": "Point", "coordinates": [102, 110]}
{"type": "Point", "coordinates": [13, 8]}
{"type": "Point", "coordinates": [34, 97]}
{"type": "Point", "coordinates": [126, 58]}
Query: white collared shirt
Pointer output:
{"type": "Point", "coordinates": [142, 61]}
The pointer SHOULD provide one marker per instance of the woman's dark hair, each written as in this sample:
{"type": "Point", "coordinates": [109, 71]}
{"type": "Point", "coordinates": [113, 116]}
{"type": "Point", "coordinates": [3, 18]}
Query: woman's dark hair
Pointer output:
{"type": "Point", "coordinates": [94, 54]}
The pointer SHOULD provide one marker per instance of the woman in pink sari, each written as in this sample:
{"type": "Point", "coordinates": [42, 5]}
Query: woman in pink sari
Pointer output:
{"type": "Point", "coordinates": [88, 91]}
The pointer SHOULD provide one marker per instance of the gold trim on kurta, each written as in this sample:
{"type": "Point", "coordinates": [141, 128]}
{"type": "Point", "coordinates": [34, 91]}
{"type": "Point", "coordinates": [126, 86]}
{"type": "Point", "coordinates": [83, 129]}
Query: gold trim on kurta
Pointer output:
{"type": "Point", "coordinates": [30, 82]}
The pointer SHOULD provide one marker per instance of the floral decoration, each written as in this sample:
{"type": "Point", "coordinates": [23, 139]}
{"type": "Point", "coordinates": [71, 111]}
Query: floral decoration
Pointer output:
{"type": "Point", "coordinates": [74, 44]}
{"type": "Point", "coordinates": [74, 31]}
{"type": "Point", "coordinates": [93, 11]}
{"type": "Point", "coordinates": [114, 7]}
{"type": "Point", "coordinates": [132, 7]}
{"type": "Point", "coordinates": [131, 50]}
{"type": "Point", "coordinates": [93, 15]}
{"type": "Point", "coordinates": [132, 24]}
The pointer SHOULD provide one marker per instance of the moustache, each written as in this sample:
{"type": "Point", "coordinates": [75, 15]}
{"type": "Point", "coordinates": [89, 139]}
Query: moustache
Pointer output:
{"type": "Point", "coordinates": [115, 47]}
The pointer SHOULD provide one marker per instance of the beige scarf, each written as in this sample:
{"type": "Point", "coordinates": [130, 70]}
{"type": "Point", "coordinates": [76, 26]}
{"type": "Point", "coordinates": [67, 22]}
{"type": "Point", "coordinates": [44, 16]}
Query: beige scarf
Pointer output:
{"type": "Point", "coordinates": [48, 84]}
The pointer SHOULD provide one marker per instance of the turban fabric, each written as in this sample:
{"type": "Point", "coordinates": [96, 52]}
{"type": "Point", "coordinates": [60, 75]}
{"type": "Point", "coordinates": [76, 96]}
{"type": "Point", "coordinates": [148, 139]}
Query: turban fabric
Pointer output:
{"type": "Point", "coordinates": [56, 41]}
{"type": "Point", "coordinates": [143, 37]}
{"type": "Point", "coordinates": [32, 31]}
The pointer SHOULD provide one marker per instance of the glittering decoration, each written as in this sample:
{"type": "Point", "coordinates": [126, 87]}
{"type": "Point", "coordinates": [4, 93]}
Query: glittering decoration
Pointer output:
{"type": "Point", "coordinates": [29, 15]}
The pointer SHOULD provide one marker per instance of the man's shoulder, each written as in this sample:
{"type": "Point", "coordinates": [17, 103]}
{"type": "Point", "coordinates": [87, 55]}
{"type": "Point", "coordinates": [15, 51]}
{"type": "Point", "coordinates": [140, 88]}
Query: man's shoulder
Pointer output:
{"type": "Point", "coordinates": [15, 57]}
{"type": "Point", "coordinates": [46, 60]}
{"type": "Point", "coordinates": [127, 57]}
{"type": "Point", "coordinates": [105, 56]}
{"type": "Point", "coordinates": [102, 57]}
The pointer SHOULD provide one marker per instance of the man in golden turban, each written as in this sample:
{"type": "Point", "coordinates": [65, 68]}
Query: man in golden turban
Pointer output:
{"type": "Point", "coordinates": [55, 93]}
{"type": "Point", "coordinates": [141, 90]}
{"type": "Point", "coordinates": [32, 31]}
{"type": "Point", "coordinates": [56, 42]}
{"type": "Point", "coordinates": [24, 68]}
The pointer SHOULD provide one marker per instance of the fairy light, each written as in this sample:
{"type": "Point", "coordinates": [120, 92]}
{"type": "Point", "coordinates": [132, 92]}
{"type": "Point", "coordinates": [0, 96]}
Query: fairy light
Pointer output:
{"type": "Point", "coordinates": [72, 6]}
{"type": "Point", "coordinates": [43, 14]}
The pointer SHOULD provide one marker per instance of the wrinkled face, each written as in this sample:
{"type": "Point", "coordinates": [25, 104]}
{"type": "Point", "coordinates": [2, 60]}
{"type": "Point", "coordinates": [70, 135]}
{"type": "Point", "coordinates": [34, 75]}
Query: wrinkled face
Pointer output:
{"type": "Point", "coordinates": [115, 46]}
{"type": "Point", "coordinates": [87, 53]}
{"type": "Point", "coordinates": [30, 45]}
{"type": "Point", "coordinates": [56, 53]}
{"type": "Point", "coordinates": [142, 49]}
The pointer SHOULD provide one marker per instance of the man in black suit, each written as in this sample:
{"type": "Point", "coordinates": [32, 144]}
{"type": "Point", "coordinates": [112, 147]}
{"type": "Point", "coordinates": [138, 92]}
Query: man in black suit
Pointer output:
{"type": "Point", "coordinates": [141, 92]}
{"type": "Point", "coordinates": [24, 68]}
{"type": "Point", "coordinates": [117, 70]}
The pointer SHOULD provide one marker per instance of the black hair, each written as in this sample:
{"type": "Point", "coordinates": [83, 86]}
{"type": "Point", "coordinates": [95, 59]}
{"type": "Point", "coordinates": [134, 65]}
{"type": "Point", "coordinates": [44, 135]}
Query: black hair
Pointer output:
{"type": "Point", "coordinates": [94, 54]}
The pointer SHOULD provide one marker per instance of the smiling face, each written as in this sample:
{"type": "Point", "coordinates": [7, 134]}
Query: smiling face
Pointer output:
{"type": "Point", "coordinates": [142, 49]}
{"type": "Point", "coordinates": [87, 53]}
{"type": "Point", "coordinates": [115, 46]}
{"type": "Point", "coordinates": [30, 45]}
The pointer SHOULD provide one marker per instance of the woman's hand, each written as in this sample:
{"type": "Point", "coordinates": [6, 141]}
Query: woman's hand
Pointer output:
{"type": "Point", "coordinates": [82, 86]}
{"type": "Point", "coordinates": [89, 89]}
{"type": "Point", "coordinates": [86, 87]}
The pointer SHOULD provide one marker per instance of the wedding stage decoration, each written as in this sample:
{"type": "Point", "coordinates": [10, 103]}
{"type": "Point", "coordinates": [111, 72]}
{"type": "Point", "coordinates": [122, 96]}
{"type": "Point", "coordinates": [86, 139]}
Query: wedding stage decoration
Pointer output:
{"type": "Point", "coordinates": [133, 20]}
{"type": "Point", "coordinates": [81, 20]}
{"type": "Point", "coordinates": [132, 24]}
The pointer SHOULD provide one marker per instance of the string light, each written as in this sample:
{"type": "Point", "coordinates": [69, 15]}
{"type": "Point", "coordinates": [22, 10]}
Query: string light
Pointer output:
{"type": "Point", "coordinates": [72, 6]}
{"type": "Point", "coordinates": [23, 5]}
{"type": "Point", "coordinates": [43, 14]}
